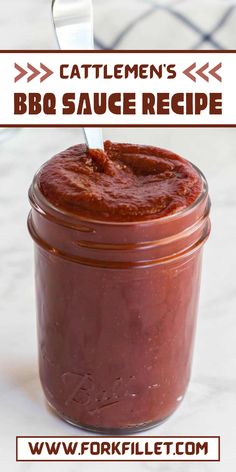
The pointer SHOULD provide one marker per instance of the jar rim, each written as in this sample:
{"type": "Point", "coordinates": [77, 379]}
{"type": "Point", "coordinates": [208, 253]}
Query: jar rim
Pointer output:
{"type": "Point", "coordinates": [36, 197]}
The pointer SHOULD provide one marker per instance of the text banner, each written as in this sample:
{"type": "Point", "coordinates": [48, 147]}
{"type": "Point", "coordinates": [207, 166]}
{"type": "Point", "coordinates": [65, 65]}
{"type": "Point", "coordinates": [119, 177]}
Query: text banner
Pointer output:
{"type": "Point", "coordinates": [117, 88]}
{"type": "Point", "coordinates": [123, 448]}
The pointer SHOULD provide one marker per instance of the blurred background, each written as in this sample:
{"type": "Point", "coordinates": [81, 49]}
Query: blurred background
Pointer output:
{"type": "Point", "coordinates": [209, 406]}
{"type": "Point", "coordinates": [131, 24]}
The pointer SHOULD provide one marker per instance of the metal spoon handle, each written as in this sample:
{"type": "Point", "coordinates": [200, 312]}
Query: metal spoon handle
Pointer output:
{"type": "Point", "coordinates": [73, 24]}
{"type": "Point", "coordinates": [93, 138]}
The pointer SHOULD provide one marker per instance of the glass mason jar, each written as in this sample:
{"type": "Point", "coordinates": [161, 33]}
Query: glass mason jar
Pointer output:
{"type": "Point", "coordinates": [117, 309]}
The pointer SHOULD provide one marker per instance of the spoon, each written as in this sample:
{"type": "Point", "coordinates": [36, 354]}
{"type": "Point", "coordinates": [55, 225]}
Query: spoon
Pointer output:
{"type": "Point", "coordinates": [73, 24]}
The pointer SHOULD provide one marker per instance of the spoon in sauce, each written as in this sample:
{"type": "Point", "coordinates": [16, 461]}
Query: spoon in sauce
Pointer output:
{"type": "Point", "coordinates": [73, 24]}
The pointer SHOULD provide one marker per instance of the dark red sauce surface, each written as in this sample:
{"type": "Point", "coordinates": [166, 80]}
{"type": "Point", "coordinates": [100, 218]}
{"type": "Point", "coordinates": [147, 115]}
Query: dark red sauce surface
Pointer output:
{"type": "Point", "coordinates": [124, 183]}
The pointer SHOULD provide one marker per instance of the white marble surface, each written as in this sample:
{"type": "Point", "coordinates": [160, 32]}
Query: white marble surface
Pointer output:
{"type": "Point", "coordinates": [209, 407]}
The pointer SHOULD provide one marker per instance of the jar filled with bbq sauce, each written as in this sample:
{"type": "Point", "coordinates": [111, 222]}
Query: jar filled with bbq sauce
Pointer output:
{"type": "Point", "coordinates": [118, 239]}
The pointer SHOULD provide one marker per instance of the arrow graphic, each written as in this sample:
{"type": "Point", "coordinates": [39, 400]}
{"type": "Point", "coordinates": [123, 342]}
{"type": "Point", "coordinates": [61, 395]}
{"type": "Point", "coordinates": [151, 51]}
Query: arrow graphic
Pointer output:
{"type": "Point", "coordinates": [47, 71]}
{"type": "Point", "coordinates": [213, 72]}
{"type": "Point", "coordinates": [188, 71]}
{"type": "Point", "coordinates": [35, 73]}
{"type": "Point", "coordinates": [22, 73]}
{"type": "Point", "coordinates": [201, 71]}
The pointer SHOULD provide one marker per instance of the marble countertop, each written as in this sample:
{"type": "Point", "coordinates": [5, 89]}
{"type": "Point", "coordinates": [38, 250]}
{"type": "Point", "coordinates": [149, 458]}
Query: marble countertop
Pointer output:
{"type": "Point", "coordinates": [209, 406]}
